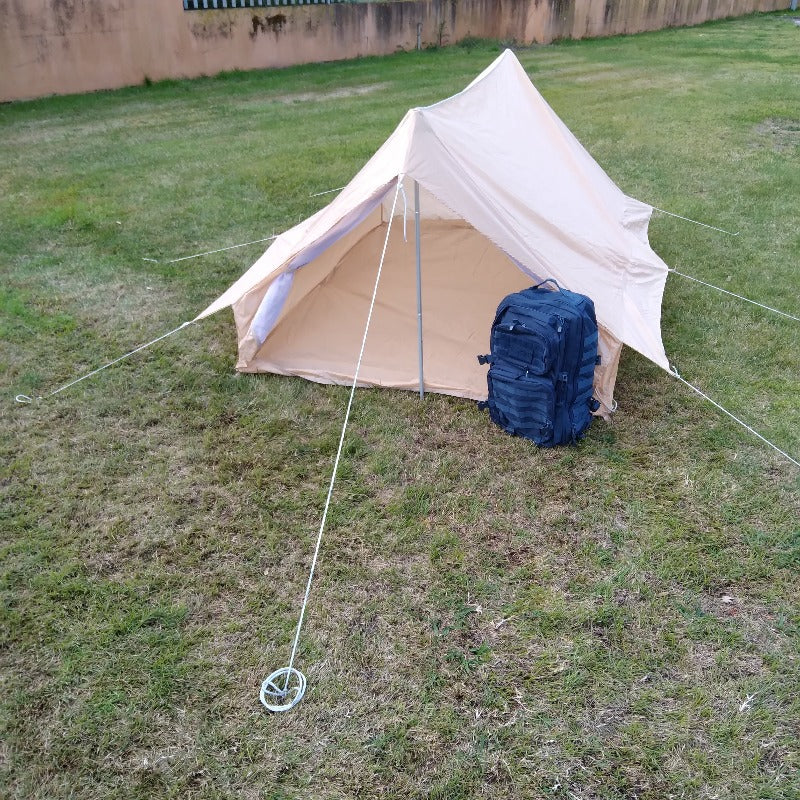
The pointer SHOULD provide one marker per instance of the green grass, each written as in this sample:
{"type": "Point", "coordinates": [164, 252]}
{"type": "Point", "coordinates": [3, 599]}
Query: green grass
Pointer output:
{"type": "Point", "coordinates": [488, 619]}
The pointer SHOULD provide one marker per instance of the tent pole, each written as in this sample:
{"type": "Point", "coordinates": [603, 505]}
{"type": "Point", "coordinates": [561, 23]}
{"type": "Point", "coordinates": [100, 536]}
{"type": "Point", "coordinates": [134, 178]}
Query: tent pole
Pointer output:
{"type": "Point", "coordinates": [419, 290]}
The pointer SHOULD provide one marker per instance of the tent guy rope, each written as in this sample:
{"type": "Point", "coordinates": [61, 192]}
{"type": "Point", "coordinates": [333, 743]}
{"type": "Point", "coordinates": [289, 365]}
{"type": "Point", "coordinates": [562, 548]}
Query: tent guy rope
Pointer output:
{"type": "Point", "coordinates": [327, 191]}
{"type": "Point", "coordinates": [738, 296]}
{"type": "Point", "coordinates": [271, 696]}
{"type": "Point", "coordinates": [655, 208]}
{"type": "Point", "coordinates": [694, 221]}
{"type": "Point", "coordinates": [674, 372]}
{"type": "Point", "coordinates": [24, 398]}
{"type": "Point", "coordinates": [210, 252]}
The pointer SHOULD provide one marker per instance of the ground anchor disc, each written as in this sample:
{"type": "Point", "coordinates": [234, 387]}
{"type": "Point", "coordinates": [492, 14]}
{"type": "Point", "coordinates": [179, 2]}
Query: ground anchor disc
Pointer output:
{"type": "Point", "coordinates": [283, 690]}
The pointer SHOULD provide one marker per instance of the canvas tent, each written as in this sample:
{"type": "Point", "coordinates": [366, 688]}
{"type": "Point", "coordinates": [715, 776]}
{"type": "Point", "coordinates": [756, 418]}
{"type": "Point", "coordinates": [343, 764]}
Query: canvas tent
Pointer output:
{"type": "Point", "coordinates": [506, 196]}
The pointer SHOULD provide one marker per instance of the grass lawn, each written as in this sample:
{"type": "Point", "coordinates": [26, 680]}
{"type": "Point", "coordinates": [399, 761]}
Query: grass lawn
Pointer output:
{"type": "Point", "coordinates": [616, 620]}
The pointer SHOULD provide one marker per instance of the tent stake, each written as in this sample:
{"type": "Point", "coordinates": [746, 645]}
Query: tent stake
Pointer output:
{"type": "Point", "coordinates": [419, 290]}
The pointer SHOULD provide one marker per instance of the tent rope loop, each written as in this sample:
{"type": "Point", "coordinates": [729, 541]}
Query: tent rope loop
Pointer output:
{"type": "Point", "coordinates": [290, 694]}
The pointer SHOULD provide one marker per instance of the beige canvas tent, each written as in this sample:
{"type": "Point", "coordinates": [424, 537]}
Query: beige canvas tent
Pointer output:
{"type": "Point", "coordinates": [503, 195]}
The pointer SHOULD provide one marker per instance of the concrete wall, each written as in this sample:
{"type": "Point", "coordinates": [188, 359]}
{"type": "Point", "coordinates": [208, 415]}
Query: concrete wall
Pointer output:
{"type": "Point", "coordinates": [66, 46]}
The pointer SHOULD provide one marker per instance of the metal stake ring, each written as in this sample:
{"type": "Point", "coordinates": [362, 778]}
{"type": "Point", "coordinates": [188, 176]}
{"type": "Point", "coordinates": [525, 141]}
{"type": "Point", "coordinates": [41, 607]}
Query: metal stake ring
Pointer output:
{"type": "Point", "coordinates": [275, 698]}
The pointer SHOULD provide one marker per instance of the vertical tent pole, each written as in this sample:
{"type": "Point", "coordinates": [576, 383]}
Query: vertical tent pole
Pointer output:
{"type": "Point", "coordinates": [419, 290]}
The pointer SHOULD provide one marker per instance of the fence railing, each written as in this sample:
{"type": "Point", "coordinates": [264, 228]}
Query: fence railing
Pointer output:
{"type": "Point", "coordinates": [204, 5]}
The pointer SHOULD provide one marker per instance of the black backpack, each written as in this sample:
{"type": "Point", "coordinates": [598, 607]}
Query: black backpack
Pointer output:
{"type": "Point", "coordinates": [544, 351]}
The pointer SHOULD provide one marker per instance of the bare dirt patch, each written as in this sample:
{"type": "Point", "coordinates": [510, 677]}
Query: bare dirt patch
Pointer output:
{"type": "Point", "coordinates": [783, 133]}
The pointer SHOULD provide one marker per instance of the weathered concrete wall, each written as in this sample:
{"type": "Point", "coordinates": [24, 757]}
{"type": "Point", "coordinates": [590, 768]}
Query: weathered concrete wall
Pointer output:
{"type": "Point", "coordinates": [65, 46]}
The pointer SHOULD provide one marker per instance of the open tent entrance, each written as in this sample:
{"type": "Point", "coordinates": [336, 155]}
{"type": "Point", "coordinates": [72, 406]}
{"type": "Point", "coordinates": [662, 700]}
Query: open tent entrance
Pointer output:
{"type": "Point", "coordinates": [508, 197]}
{"type": "Point", "coordinates": [314, 330]}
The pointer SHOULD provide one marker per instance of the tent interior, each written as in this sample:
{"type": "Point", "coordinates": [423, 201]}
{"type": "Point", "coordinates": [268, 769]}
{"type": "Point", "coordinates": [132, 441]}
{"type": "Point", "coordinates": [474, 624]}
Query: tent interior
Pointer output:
{"type": "Point", "coordinates": [318, 329]}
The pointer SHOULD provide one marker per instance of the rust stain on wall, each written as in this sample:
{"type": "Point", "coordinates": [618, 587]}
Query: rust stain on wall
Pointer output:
{"type": "Point", "coordinates": [64, 14]}
{"type": "Point", "coordinates": [97, 18]}
{"type": "Point", "coordinates": [275, 23]}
